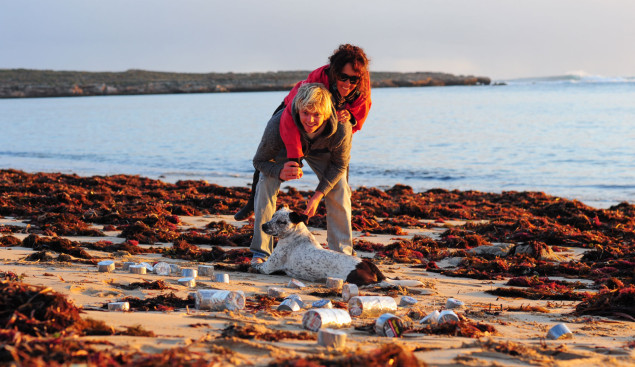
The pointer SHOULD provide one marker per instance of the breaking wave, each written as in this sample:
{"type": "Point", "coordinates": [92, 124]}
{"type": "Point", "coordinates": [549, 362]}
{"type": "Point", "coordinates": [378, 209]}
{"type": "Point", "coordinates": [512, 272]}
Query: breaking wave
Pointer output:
{"type": "Point", "coordinates": [574, 77]}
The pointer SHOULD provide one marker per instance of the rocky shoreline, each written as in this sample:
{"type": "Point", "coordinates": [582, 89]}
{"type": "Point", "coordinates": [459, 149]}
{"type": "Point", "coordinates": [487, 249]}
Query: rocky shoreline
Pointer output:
{"type": "Point", "coordinates": [25, 83]}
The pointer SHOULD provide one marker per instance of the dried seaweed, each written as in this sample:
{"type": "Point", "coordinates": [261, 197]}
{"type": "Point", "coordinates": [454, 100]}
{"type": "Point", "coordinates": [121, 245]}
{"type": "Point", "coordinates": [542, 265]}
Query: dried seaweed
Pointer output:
{"type": "Point", "coordinates": [57, 244]}
{"type": "Point", "coordinates": [260, 302]}
{"type": "Point", "coordinates": [64, 224]}
{"type": "Point", "coordinates": [325, 294]}
{"type": "Point", "coordinates": [366, 246]}
{"type": "Point", "coordinates": [17, 348]}
{"type": "Point", "coordinates": [163, 302]}
{"type": "Point", "coordinates": [9, 275]}
{"type": "Point", "coordinates": [186, 251]}
{"type": "Point", "coordinates": [540, 293]}
{"type": "Point", "coordinates": [132, 247]}
{"type": "Point", "coordinates": [146, 210]}
{"type": "Point", "coordinates": [145, 284]}
{"type": "Point", "coordinates": [389, 354]}
{"type": "Point", "coordinates": [9, 241]}
{"type": "Point", "coordinates": [136, 330]}
{"type": "Point", "coordinates": [261, 332]}
{"type": "Point", "coordinates": [35, 310]}
{"type": "Point", "coordinates": [615, 303]}
{"type": "Point", "coordinates": [464, 328]}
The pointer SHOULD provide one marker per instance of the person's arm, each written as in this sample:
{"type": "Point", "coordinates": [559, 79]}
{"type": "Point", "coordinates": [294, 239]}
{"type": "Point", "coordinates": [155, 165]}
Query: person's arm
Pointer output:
{"type": "Point", "coordinates": [269, 147]}
{"type": "Point", "coordinates": [312, 204]}
{"type": "Point", "coordinates": [340, 158]}
{"type": "Point", "coordinates": [290, 134]}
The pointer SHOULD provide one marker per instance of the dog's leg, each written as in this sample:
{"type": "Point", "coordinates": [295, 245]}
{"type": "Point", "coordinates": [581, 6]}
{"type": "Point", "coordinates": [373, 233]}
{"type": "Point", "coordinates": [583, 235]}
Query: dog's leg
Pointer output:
{"type": "Point", "coordinates": [273, 263]}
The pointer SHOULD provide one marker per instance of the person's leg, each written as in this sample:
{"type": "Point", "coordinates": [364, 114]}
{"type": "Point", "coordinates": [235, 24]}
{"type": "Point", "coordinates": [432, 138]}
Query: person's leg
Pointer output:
{"type": "Point", "coordinates": [338, 208]}
{"type": "Point", "coordinates": [247, 210]}
{"type": "Point", "coordinates": [264, 205]}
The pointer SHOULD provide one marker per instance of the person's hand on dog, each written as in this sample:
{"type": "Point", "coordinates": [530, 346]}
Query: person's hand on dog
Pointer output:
{"type": "Point", "coordinates": [291, 171]}
{"type": "Point", "coordinates": [312, 204]}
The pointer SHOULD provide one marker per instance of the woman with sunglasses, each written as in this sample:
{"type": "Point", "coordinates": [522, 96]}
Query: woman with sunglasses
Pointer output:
{"type": "Point", "coordinates": [347, 78]}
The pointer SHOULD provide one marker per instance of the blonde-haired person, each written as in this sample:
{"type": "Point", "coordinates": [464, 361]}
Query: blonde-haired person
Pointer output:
{"type": "Point", "coordinates": [326, 145]}
{"type": "Point", "coordinates": [347, 77]}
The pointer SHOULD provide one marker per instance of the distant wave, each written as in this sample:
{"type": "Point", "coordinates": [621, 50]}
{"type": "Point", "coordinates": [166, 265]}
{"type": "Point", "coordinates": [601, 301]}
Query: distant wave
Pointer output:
{"type": "Point", "coordinates": [575, 77]}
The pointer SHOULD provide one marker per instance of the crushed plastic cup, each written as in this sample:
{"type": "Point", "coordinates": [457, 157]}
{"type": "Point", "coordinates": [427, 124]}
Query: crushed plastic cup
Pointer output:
{"type": "Point", "coordinates": [221, 278]}
{"type": "Point", "coordinates": [322, 303]}
{"type": "Point", "coordinates": [431, 319]}
{"type": "Point", "coordinates": [448, 316]}
{"type": "Point", "coordinates": [559, 331]}
{"type": "Point", "coordinates": [118, 306]}
{"type": "Point", "coordinates": [454, 303]}
{"type": "Point", "coordinates": [219, 300]}
{"type": "Point", "coordinates": [297, 298]}
{"type": "Point", "coordinates": [187, 282]}
{"type": "Point", "coordinates": [106, 266]}
{"type": "Point", "coordinates": [294, 283]}
{"type": "Point", "coordinates": [189, 273]}
{"type": "Point", "coordinates": [407, 301]}
{"type": "Point", "coordinates": [367, 306]}
{"type": "Point", "coordinates": [331, 338]}
{"type": "Point", "coordinates": [276, 292]}
{"type": "Point", "coordinates": [138, 269]}
{"type": "Point", "coordinates": [125, 266]}
{"type": "Point", "coordinates": [349, 291]}
{"type": "Point", "coordinates": [149, 267]}
{"type": "Point", "coordinates": [206, 270]}
{"type": "Point", "coordinates": [334, 283]}
{"type": "Point", "coordinates": [162, 268]}
{"type": "Point", "coordinates": [290, 304]}
{"type": "Point", "coordinates": [318, 318]}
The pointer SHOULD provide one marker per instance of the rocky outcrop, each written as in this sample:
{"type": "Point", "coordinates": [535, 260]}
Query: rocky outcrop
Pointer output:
{"type": "Point", "coordinates": [20, 83]}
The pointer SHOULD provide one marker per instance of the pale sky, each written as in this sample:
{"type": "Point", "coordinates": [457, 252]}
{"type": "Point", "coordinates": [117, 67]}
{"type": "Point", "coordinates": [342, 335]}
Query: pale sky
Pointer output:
{"type": "Point", "coordinates": [497, 38]}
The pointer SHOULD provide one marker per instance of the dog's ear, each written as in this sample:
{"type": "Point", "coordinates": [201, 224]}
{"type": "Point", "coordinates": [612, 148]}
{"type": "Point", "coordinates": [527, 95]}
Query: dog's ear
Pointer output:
{"type": "Point", "coordinates": [297, 218]}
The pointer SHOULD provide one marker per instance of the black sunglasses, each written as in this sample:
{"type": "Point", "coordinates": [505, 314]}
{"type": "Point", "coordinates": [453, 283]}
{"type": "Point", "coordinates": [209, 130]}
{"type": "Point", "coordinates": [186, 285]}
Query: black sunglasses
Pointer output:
{"type": "Point", "coordinates": [344, 77]}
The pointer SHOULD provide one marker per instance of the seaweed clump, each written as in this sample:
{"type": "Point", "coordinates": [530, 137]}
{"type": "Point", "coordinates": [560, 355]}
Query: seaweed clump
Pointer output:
{"type": "Point", "coordinates": [463, 327]}
{"type": "Point", "coordinates": [615, 303]}
{"type": "Point", "coordinates": [261, 332]}
{"type": "Point", "coordinates": [389, 354]}
{"type": "Point", "coordinates": [35, 310]}
{"type": "Point", "coordinates": [163, 302]}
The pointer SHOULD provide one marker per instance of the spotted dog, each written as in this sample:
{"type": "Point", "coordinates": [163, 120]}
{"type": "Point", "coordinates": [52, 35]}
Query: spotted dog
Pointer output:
{"type": "Point", "coordinates": [300, 256]}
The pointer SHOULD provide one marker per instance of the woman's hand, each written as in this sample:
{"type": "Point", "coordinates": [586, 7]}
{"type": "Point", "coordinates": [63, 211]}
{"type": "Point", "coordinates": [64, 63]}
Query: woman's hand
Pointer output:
{"type": "Point", "coordinates": [312, 204]}
{"type": "Point", "coordinates": [343, 116]}
{"type": "Point", "coordinates": [291, 171]}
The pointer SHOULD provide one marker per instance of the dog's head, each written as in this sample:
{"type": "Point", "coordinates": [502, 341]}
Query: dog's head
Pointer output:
{"type": "Point", "coordinates": [283, 222]}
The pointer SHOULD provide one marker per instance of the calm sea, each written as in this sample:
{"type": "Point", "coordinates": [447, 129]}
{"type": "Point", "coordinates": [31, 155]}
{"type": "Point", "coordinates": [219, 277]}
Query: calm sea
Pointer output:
{"type": "Point", "coordinates": [570, 137]}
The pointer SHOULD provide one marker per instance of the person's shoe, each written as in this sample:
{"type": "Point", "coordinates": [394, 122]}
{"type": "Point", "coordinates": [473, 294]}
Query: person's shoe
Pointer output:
{"type": "Point", "coordinates": [246, 211]}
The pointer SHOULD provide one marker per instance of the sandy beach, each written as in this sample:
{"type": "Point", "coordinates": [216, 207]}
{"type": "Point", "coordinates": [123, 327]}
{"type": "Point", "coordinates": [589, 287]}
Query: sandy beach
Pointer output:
{"type": "Point", "coordinates": [553, 253]}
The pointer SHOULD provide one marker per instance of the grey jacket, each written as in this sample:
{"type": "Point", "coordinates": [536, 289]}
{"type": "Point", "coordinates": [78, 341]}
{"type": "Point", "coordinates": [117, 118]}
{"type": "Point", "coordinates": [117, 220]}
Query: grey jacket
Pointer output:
{"type": "Point", "coordinates": [335, 139]}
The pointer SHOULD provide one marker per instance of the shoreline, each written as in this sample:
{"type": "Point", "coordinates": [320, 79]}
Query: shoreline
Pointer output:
{"type": "Point", "coordinates": [26, 83]}
{"type": "Point", "coordinates": [429, 237]}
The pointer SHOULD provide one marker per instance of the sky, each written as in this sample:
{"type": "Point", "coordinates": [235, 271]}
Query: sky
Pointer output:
{"type": "Point", "coordinates": [501, 39]}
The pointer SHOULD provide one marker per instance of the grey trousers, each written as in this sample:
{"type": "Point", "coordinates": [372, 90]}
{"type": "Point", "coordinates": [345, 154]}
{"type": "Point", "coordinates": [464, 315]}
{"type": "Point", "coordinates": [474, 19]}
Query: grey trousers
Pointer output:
{"type": "Point", "coordinates": [338, 209]}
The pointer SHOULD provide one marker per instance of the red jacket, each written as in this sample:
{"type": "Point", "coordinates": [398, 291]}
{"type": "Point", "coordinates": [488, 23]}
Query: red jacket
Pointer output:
{"type": "Point", "coordinates": [289, 130]}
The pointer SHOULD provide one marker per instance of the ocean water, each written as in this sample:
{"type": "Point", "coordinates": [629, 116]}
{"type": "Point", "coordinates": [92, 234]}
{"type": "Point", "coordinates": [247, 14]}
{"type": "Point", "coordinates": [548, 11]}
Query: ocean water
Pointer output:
{"type": "Point", "coordinates": [570, 136]}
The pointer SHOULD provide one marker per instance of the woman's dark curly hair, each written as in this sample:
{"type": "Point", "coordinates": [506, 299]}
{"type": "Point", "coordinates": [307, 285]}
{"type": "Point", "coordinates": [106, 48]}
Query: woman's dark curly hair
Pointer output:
{"type": "Point", "coordinates": [355, 55]}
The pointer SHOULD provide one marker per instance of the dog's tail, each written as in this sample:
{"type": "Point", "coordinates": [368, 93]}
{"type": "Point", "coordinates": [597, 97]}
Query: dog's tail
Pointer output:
{"type": "Point", "coordinates": [365, 273]}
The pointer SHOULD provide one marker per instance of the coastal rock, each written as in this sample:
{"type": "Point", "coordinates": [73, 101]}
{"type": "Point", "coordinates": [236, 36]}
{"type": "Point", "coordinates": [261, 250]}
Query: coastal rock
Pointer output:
{"type": "Point", "coordinates": [20, 83]}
